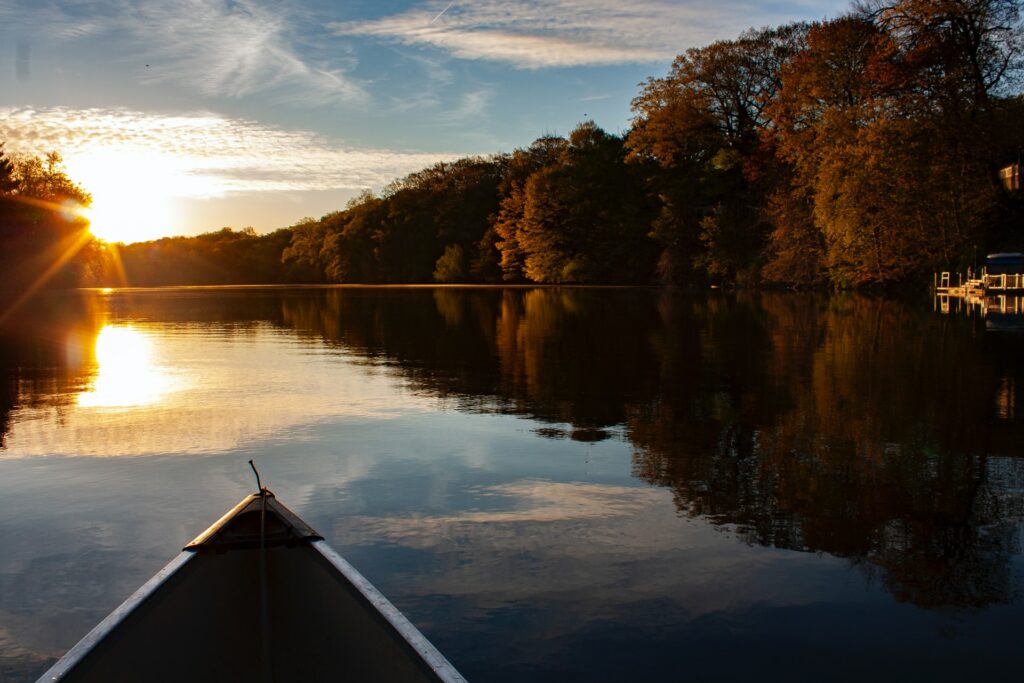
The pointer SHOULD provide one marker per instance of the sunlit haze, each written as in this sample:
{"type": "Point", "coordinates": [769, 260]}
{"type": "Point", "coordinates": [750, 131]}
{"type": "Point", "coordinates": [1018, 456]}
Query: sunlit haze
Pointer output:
{"type": "Point", "coordinates": [176, 130]}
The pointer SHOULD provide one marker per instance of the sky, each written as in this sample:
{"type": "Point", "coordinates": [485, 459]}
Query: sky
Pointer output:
{"type": "Point", "coordinates": [188, 116]}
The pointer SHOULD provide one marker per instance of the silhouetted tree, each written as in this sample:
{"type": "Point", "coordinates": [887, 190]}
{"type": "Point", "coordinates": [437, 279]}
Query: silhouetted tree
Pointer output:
{"type": "Point", "coordinates": [42, 232]}
{"type": "Point", "coordinates": [7, 181]}
{"type": "Point", "coordinates": [223, 257]}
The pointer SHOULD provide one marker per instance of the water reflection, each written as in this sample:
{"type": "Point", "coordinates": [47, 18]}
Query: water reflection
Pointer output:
{"type": "Point", "coordinates": [127, 375]}
{"type": "Point", "coordinates": [1001, 312]}
{"type": "Point", "coordinates": [46, 355]}
{"type": "Point", "coordinates": [858, 427]}
{"type": "Point", "coordinates": [650, 433]}
{"type": "Point", "coordinates": [556, 355]}
{"type": "Point", "coordinates": [210, 376]}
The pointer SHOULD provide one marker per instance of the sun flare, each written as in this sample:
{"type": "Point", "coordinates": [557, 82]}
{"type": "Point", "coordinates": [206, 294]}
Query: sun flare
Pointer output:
{"type": "Point", "coordinates": [131, 194]}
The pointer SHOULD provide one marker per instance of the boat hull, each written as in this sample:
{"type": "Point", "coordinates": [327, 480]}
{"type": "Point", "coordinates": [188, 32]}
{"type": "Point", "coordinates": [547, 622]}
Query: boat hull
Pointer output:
{"type": "Point", "coordinates": [291, 611]}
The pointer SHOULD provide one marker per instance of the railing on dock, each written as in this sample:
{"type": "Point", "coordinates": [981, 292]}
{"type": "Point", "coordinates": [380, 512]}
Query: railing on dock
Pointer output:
{"type": "Point", "coordinates": [1004, 281]}
{"type": "Point", "coordinates": [970, 285]}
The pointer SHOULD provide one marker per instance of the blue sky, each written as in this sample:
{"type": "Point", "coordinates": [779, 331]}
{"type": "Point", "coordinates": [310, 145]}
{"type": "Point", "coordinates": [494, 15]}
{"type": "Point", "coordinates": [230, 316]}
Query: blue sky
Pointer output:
{"type": "Point", "coordinates": [198, 114]}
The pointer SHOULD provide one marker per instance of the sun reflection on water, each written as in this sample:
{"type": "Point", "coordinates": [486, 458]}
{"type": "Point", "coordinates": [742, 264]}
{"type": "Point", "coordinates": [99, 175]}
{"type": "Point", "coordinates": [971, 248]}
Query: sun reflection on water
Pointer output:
{"type": "Point", "coordinates": [127, 376]}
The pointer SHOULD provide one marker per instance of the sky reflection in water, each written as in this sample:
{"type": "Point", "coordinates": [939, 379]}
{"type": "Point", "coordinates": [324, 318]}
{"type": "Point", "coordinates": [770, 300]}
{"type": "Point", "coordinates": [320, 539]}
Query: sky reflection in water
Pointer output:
{"type": "Point", "coordinates": [554, 484]}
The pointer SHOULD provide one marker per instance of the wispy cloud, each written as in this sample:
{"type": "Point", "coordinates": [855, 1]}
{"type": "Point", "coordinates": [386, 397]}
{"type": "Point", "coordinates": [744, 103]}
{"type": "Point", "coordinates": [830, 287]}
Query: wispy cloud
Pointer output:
{"type": "Point", "coordinates": [232, 49]}
{"type": "Point", "coordinates": [215, 47]}
{"type": "Point", "coordinates": [203, 155]}
{"type": "Point", "coordinates": [532, 34]}
{"type": "Point", "coordinates": [470, 106]}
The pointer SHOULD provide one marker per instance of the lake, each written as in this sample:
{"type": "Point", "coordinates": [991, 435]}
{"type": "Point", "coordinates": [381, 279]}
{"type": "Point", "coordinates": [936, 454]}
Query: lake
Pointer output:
{"type": "Point", "coordinates": [552, 484]}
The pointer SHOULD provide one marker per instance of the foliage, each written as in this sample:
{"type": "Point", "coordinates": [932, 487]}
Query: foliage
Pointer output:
{"type": "Point", "coordinates": [451, 267]}
{"type": "Point", "coordinates": [701, 126]}
{"type": "Point", "coordinates": [216, 258]}
{"type": "Point", "coordinates": [399, 236]}
{"type": "Point", "coordinates": [41, 231]}
{"type": "Point", "coordinates": [582, 216]}
{"type": "Point", "coordinates": [8, 182]}
{"type": "Point", "coordinates": [886, 120]}
{"type": "Point", "coordinates": [861, 150]}
{"type": "Point", "coordinates": [520, 166]}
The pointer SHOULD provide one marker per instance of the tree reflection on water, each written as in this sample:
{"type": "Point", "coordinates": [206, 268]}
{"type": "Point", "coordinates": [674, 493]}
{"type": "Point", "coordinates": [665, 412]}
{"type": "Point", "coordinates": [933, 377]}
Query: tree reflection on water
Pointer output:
{"type": "Point", "coordinates": [864, 428]}
{"type": "Point", "coordinates": [48, 354]}
{"type": "Point", "coordinates": [859, 427]}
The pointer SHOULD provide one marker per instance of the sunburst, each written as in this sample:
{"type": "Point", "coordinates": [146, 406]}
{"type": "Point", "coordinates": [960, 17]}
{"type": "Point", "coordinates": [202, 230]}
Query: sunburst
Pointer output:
{"type": "Point", "coordinates": [56, 256]}
{"type": "Point", "coordinates": [131, 193]}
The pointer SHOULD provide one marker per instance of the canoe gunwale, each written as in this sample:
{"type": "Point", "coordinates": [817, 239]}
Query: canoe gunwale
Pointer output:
{"type": "Point", "coordinates": [430, 655]}
{"type": "Point", "coordinates": [101, 630]}
{"type": "Point", "coordinates": [298, 534]}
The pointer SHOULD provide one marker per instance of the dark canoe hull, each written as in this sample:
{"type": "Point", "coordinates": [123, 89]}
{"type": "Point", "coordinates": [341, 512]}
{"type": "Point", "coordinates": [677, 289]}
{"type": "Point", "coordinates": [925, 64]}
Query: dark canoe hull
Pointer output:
{"type": "Point", "coordinates": [231, 608]}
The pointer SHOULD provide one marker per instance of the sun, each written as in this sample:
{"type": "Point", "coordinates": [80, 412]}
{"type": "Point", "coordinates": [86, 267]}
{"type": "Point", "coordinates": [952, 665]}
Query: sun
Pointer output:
{"type": "Point", "coordinates": [126, 217]}
{"type": "Point", "coordinates": [131, 200]}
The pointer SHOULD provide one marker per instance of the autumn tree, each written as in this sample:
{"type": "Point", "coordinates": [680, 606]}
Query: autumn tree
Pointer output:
{"type": "Point", "coordinates": [967, 61]}
{"type": "Point", "coordinates": [399, 235]}
{"type": "Point", "coordinates": [883, 120]}
{"type": "Point", "coordinates": [446, 204]}
{"type": "Point", "coordinates": [508, 222]}
{"type": "Point", "coordinates": [701, 126]}
{"type": "Point", "coordinates": [349, 241]}
{"type": "Point", "coordinates": [825, 103]}
{"type": "Point", "coordinates": [962, 52]}
{"type": "Point", "coordinates": [451, 266]}
{"type": "Point", "coordinates": [584, 219]}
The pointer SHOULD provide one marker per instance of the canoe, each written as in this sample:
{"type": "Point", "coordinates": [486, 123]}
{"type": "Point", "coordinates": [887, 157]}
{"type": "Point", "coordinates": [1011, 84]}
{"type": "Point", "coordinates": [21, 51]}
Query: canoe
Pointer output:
{"type": "Point", "coordinates": [258, 596]}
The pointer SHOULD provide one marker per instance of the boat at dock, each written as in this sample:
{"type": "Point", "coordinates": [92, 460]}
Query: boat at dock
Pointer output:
{"type": "Point", "coordinates": [257, 596]}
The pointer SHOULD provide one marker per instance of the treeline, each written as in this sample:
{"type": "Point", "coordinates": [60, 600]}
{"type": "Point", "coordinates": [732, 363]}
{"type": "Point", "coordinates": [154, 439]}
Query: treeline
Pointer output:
{"type": "Point", "coordinates": [224, 257]}
{"type": "Point", "coordinates": [562, 210]}
{"type": "Point", "coordinates": [859, 151]}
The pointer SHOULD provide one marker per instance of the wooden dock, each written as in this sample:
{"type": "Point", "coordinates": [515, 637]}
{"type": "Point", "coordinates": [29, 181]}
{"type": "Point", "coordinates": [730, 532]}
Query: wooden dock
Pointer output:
{"type": "Point", "coordinates": [1005, 283]}
{"type": "Point", "coordinates": [964, 287]}
{"type": "Point", "coordinates": [1002, 273]}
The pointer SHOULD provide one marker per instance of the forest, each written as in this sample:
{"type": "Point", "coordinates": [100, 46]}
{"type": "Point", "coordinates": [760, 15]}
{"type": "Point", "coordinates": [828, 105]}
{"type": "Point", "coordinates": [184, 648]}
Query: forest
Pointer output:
{"type": "Point", "coordinates": [862, 151]}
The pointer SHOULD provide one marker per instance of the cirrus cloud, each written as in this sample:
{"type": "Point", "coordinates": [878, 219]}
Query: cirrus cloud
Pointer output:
{"type": "Point", "coordinates": [533, 34]}
{"type": "Point", "coordinates": [214, 47]}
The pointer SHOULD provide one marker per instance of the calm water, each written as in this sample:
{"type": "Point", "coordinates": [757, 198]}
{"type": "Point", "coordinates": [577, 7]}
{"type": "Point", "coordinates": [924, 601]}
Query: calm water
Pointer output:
{"type": "Point", "coordinates": [552, 484]}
